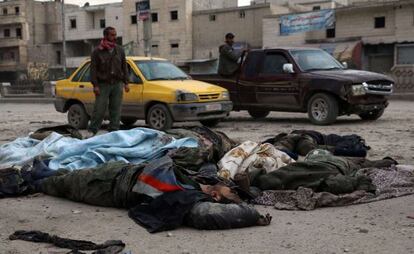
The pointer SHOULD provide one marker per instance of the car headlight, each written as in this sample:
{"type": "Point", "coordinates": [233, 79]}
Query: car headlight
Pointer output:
{"type": "Point", "coordinates": [358, 90]}
{"type": "Point", "coordinates": [225, 95]}
{"type": "Point", "coordinates": [185, 96]}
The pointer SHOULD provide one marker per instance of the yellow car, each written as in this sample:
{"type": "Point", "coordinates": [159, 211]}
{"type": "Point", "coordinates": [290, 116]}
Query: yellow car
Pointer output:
{"type": "Point", "coordinates": [159, 92]}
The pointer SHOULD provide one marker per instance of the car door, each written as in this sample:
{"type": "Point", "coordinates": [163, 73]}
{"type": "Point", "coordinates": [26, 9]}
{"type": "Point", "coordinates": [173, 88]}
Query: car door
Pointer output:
{"type": "Point", "coordinates": [132, 105]}
{"type": "Point", "coordinates": [84, 90]}
{"type": "Point", "coordinates": [275, 88]}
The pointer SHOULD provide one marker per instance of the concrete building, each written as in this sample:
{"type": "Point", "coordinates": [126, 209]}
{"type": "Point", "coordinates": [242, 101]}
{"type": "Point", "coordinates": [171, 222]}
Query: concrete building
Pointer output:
{"type": "Point", "coordinates": [370, 35]}
{"type": "Point", "coordinates": [84, 29]}
{"type": "Point", "coordinates": [210, 27]}
{"type": "Point", "coordinates": [27, 31]}
{"type": "Point", "coordinates": [172, 27]}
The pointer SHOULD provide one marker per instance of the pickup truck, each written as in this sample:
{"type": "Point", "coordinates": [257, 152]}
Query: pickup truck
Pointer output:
{"type": "Point", "coordinates": [159, 92]}
{"type": "Point", "coordinates": [304, 80]}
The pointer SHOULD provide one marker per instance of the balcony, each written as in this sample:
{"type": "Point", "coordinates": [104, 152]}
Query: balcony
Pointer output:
{"type": "Point", "coordinates": [11, 42]}
{"type": "Point", "coordinates": [12, 19]}
{"type": "Point", "coordinates": [78, 34]}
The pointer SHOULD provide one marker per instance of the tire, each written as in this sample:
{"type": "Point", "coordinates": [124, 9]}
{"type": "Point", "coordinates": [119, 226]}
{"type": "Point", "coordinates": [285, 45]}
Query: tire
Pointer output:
{"type": "Point", "coordinates": [77, 116]}
{"type": "Point", "coordinates": [322, 109]}
{"type": "Point", "coordinates": [258, 113]}
{"type": "Point", "coordinates": [159, 117]}
{"type": "Point", "coordinates": [210, 122]}
{"type": "Point", "coordinates": [128, 121]}
{"type": "Point", "coordinates": [372, 115]}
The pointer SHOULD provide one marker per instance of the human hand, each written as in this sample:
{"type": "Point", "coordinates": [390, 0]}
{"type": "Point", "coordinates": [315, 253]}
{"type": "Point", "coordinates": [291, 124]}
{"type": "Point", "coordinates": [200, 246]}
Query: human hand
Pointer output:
{"type": "Point", "coordinates": [264, 220]}
{"type": "Point", "coordinates": [126, 87]}
{"type": "Point", "coordinates": [96, 91]}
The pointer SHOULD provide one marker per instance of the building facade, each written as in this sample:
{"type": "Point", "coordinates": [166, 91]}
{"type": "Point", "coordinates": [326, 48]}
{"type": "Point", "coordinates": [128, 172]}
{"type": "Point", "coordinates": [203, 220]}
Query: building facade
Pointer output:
{"type": "Point", "coordinates": [84, 29]}
{"type": "Point", "coordinates": [370, 35]}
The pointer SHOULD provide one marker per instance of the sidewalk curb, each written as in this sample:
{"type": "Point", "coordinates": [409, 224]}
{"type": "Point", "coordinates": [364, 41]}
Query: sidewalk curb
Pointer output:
{"type": "Point", "coordinates": [26, 100]}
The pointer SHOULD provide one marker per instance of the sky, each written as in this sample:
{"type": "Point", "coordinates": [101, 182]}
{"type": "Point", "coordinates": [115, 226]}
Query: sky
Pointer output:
{"type": "Point", "coordinates": [82, 2]}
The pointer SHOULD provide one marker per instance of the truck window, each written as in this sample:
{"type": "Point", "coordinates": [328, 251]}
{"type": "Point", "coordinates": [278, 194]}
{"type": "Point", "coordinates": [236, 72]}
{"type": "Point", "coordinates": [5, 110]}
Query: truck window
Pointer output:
{"type": "Point", "coordinates": [273, 64]}
{"type": "Point", "coordinates": [78, 75]}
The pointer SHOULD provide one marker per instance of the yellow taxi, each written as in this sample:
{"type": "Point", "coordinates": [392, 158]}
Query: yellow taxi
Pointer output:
{"type": "Point", "coordinates": [160, 93]}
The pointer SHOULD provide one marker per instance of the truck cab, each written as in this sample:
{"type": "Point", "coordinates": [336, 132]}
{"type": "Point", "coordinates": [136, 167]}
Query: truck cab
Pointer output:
{"type": "Point", "coordinates": [304, 80]}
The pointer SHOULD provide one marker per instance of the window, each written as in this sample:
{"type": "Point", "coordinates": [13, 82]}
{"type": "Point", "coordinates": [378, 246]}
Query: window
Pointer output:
{"type": "Point", "coordinates": [58, 57]}
{"type": "Point", "coordinates": [242, 14]}
{"type": "Point", "coordinates": [316, 8]}
{"type": "Point", "coordinates": [86, 77]}
{"type": "Point", "coordinates": [405, 54]}
{"type": "Point", "coordinates": [212, 17]}
{"type": "Point", "coordinates": [6, 32]}
{"type": "Point", "coordinates": [78, 74]}
{"type": "Point", "coordinates": [174, 15]}
{"type": "Point", "coordinates": [379, 22]}
{"type": "Point", "coordinates": [4, 11]}
{"type": "Point", "coordinates": [175, 48]}
{"type": "Point", "coordinates": [154, 17]}
{"type": "Point", "coordinates": [72, 23]}
{"type": "Point", "coordinates": [133, 19]}
{"type": "Point", "coordinates": [273, 64]}
{"type": "Point", "coordinates": [102, 23]}
{"type": "Point", "coordinates": [17, 10]}
{"type": "Point", "coordinates": [18, 32]}
{"type": "Point", "coordinates": [133, 77]}
{"type": "Point", "coordinates": [330, 33]}
{"type": "Point", "coordinates": [154, 49]}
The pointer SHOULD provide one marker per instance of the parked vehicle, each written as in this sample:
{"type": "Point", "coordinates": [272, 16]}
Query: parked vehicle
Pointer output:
{"type": "Point", "coordinates": [159, 92]}
{"type": "Point", "coordinates": [304, 80]}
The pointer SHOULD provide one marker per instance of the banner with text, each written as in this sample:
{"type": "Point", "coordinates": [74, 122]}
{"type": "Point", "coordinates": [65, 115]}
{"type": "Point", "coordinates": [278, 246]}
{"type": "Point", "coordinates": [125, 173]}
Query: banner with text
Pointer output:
{"type": "Point", "coordinates": [296, 23]}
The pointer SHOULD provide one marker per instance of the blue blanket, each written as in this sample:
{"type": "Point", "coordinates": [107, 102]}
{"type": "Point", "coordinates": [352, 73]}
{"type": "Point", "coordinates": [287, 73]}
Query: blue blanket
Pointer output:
{"type": "Point", "coordinates": [135, 146]}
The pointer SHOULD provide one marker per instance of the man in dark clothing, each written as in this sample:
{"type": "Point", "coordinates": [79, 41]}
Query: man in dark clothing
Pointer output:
{"type": "Point", "coordinates": [159, 195]}
{"type": "Point", "coordinates": [229, 58]}
{"type": "Point", "coordinates": [109, 73]}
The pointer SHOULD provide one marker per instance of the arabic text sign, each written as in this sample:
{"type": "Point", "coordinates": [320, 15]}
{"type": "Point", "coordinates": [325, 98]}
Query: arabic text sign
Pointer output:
{"type": "Point", "coordinates": [311, 21]}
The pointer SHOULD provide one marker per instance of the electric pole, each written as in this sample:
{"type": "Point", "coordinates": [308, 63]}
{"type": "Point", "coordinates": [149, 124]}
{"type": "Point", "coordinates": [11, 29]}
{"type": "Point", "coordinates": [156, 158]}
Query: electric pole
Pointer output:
{"type": "Point", "coordinates": [63, 38]}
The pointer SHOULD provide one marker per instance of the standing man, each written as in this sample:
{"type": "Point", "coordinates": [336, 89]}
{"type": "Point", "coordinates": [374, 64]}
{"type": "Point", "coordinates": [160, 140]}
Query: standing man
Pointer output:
{"type": "Point", "coordinates": [109, 76]}
{"type": "Point", "coordinates": [229, 59]}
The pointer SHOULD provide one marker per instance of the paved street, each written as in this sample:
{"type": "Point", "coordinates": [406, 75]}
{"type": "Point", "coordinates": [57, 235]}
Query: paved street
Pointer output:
{"type": "Point", "coordinates": [329, 230]}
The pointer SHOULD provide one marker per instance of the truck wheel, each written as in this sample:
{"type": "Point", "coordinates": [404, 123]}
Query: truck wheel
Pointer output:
{"type": "Point", "coordinates": [372, 115]}
{"type": "Point", "coordinates": [322, 109]}
{"type": "Point", "coordinates": [258, 113]}
{"type": "Point", "coordinates": [77, 116]}
{"type": "Point", "coordinates": [128, 121]}
{"type": "Point", "coordinates": [159, 117]}
{"type": "Point", "coordinates": [210, 122]}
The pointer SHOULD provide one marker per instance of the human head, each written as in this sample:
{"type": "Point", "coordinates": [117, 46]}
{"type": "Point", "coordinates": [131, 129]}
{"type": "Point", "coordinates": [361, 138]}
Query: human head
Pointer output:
{"type": "Point", "coordinates": [222, 193]}
{"type": "Point", "coordinates": [110, 33]}
{"type": "Point", "coordinates": [229, 38]}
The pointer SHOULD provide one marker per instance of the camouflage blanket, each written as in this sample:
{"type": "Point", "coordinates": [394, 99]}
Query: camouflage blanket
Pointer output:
{"type": "Point", "coordinates": [392, 182]}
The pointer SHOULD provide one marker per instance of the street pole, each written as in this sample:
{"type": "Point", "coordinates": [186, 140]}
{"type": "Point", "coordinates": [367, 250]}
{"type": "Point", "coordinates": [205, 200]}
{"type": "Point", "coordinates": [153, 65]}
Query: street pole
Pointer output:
{"type": "Point", "coordinates": [63, 38]}
{"type": "Point", "coordinates": [147, 23]}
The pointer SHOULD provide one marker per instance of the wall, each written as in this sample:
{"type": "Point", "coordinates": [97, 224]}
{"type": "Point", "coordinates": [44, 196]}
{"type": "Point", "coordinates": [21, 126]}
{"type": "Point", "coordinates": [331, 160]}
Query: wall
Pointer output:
{"type": "Point", "coordinates": [209, 35]}
{"type": "Point", "coordinates": [164, 32]}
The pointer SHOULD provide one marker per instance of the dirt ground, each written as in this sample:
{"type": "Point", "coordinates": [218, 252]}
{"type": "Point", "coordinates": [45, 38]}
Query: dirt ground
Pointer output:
{"type": "Point", "coordinates": [381, 227]}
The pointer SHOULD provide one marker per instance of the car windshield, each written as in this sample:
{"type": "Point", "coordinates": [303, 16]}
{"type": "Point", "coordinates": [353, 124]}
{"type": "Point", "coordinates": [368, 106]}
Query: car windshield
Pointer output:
{"type": "Point", "coordinates": [315, 60]}
{"type": "Point", "coordinates": [160, 70]}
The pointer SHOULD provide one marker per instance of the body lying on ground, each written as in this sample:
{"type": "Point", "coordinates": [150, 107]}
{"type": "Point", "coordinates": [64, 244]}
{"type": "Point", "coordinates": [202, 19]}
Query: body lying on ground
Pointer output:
{"type": "Point", "coordinates": [159, 195]}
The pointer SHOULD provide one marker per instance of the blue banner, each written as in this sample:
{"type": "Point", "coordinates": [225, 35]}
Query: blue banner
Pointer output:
{"type": "Point", "coordinates": [296, 23]}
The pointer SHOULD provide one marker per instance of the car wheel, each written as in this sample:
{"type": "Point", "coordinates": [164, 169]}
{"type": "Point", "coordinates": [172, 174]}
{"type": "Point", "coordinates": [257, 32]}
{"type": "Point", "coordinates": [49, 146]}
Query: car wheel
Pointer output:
{"type": "Point", "coordinates": [77, 116]}
{"type": "Point", "coordinates": [323, 109]}
{"type": "Point", "coordinates": [210, 122]}
{"type": "Point", "coordinates": [159, 117]}
{"type": "Point", "coordinates": [372, 115]}
{"type": "Point", "coordinates": [128, 121]}
{"type": "Point", "coordinates": [258, 113]}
